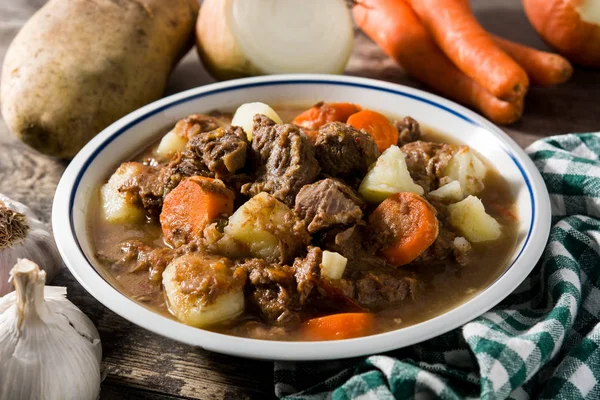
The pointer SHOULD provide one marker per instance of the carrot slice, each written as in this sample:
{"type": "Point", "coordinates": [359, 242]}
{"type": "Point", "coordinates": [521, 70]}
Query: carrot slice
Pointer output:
{"type": "Point", "coordinates": [543, 68]}
{"type": "Point", "coordinates": [395, 27]}
{"type": "Point", "coordinates": [338, 326]}
{"type": "Point", "coordinates": [191, 206]}
{"type": "Point", "coordinates": [322, 113]}
{"type": "Point", "coordinates": [410, 224]}
{"type": "Point", "coordinates": [379, 127]}
{"type": "Point", "coordinates": [456, 30]}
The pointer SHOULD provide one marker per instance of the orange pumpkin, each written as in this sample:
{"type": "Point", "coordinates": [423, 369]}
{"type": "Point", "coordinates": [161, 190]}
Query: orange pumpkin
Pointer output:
{"type": "Point", "coordinates": [570, 26]}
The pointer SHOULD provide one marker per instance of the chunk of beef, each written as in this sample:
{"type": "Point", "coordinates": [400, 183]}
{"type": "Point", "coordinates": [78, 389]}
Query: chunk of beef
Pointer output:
{"type": "Point", "coordinates": [194, 124]}
{"type": "Point", "coordinates": [426, 161]}
{"type": "Point", "coordinates": [147, 188]}
{"type": "Point", "coordinates": [223, 151]}
{"type": "Point", "coordinates": [139, 256]}
{"type": "Point", "coordinates": [272, 290]}
{"type": "Point", "coordinates": [408, 131]}
{"type": "Point", "coordinates": [356, 244]}
{"type": "Point", "coordinates": [284, 160]}
{"type": "Point", "coordinates": [375, 290]}
{"type": "Point", "coordinates": [346, 241]}
{"type": "Point", "coordinates": [265, 134]}
{"type": "Point", "coordinates": [216, 154]}
{"type": "Point", "coordinates": [280, 291]}
{"type": "Point", "coordinates": [344, 151]}
{"type": "Point", "coordinates": [307, 271]}
{"type": "Point", "coordinates": [328, 203]}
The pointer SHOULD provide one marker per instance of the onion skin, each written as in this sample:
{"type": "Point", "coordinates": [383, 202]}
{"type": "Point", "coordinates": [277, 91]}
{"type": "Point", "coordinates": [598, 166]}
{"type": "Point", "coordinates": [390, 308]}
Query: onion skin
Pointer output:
{"type": "Point", "coordinates": [220, 53]}
{"type": "Point", "coordinates": [559, 23]}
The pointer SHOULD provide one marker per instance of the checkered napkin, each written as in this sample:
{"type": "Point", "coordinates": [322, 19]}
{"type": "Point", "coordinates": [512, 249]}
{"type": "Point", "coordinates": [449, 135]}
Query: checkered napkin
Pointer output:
{"type": "Point", "coordinates": [541, 342]}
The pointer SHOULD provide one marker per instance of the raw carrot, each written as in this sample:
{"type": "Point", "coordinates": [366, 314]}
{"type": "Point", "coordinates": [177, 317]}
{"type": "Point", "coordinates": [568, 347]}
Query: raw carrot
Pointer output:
{"type": "Point", "coordinates": [457, 32]}
{"type": "Point", "coordinates": [379, 127]}
{"type": "Point", "coordinates": [408, 223]}
{"type": "Point", "coordinates": [191, 206]}
{"type": "Point", "coordinates": [543, 68]}
{"type": "Point", "coordinates": [322, 113]}
{"type": "Point", "coordinates": [338, 326]}
{"type": "Point", "coordinates": [394, 26]}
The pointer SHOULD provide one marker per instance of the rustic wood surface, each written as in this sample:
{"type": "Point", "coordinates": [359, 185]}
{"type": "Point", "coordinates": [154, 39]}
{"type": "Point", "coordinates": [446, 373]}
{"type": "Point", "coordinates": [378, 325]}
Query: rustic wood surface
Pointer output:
{"type": "Point", "coordinates": [142, 365]}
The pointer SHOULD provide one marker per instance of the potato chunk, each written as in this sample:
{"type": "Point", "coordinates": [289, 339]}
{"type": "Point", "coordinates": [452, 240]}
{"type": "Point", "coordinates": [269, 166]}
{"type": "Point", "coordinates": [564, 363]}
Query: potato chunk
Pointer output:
{"type": "Point", "coordinates": [450, 192]}
{"type": "Point", "coordinates": [267, 228]}
{"type": "Point", "coordinates": [244, 116]}
{"type": "Point", "coordinates": [466, 167]}
{"type": "Point", "coordinates": [389, 175]}
{"type": "Point", "coordinates": [333, 264]}
{"type": "Point", "coordinates": [203, 290]}
{"type": "Point", "coordinates": [120, 208]}
{"type": "Point", "coordinates": [471, 220]}
{"type": "Point", "coordinates": [170, 144]}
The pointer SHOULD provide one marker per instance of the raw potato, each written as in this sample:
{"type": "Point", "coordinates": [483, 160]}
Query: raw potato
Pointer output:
{"type": "Point", "coordinates": [471, 220]}
{"type": "Point", "coordinates": [333, 264]}
{"type": "Point", "coordinates": [267, 228]}
{"type": "Point", "coordinates": [466, 167]}
{"type": "Point", "coordinates": [389, 175]}
{"type": "Point", "coordinates": [118, 207]}
{"type": "Point", "coordinates": [193, 309]}
{"type": "Point", "coordinates": [244, 116]}
{"type": "Point", "coordinates": [451, 192]}
{"type": "Point", "coordinates": [79, 65]}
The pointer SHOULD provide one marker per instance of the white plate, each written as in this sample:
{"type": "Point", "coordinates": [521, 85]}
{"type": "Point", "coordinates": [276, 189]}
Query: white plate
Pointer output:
{"type": "Point", "coordinates": [95, 162]}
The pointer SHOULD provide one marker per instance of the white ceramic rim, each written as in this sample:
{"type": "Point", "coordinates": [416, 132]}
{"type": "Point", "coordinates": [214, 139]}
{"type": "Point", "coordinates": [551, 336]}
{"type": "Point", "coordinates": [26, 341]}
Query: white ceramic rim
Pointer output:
{"type": "Point", "coordinates": [90, 279]}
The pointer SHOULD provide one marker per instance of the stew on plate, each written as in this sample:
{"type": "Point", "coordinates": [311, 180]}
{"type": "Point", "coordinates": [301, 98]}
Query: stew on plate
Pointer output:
{"type": "Point", "coordinates": [324, 223]}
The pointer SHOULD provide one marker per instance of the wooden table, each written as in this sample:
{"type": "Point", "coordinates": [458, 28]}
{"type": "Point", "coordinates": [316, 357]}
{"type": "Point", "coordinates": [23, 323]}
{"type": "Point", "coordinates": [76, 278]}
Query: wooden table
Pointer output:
{"type": "Point", "coordinates": [143, 365]}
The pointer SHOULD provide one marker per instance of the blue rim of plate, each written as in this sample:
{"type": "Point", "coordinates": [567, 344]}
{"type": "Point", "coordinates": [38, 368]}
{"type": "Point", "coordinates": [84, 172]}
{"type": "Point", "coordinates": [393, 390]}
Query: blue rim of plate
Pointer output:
{"type": "Point", "coordinates": [149, 114]}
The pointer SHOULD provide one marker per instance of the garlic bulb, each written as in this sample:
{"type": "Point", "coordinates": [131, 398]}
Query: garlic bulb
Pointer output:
{"type": "Point", "coordinates": [23, 235]}
{"type": "Point", "coordinates": [49, 349]}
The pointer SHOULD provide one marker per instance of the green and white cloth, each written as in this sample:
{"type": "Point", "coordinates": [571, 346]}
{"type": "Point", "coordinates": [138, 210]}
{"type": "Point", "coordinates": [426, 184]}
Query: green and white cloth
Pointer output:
{"type": "Point", "coordinates": [541, 342]}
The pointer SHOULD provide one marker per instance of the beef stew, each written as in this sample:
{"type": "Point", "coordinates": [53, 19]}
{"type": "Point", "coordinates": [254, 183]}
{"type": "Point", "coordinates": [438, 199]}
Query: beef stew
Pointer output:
{"type": "Point", "coordinates": [268, 234]}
